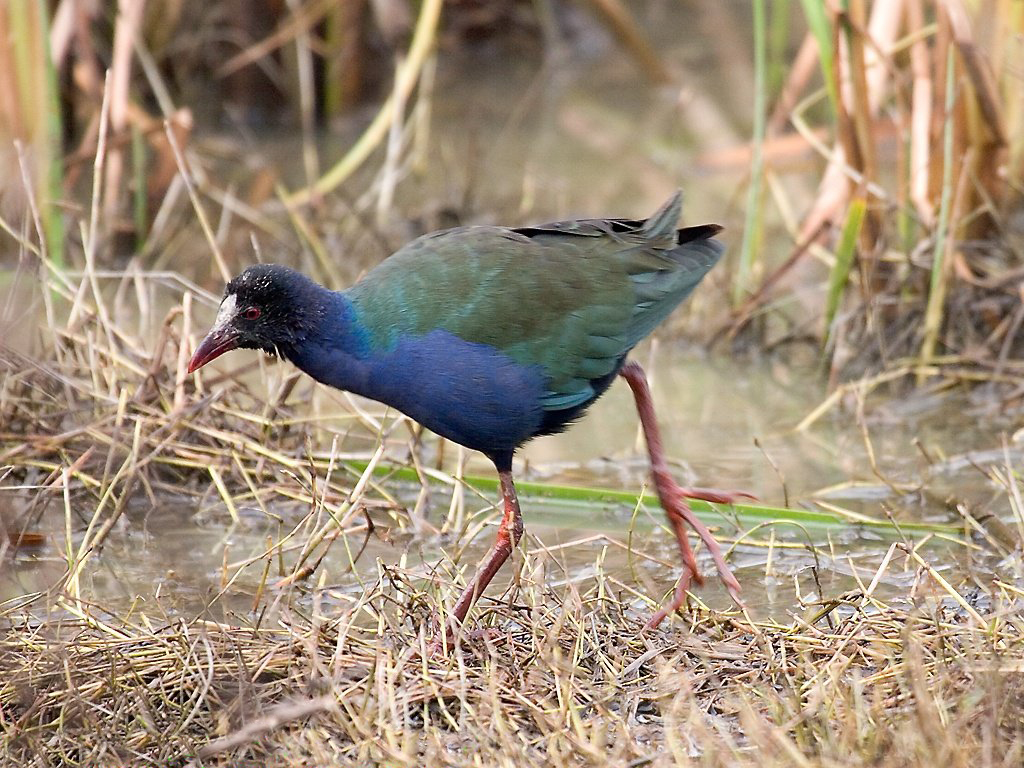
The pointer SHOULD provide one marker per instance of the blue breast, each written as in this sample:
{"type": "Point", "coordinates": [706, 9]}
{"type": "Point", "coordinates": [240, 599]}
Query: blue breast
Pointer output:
{"type": "Point", "coordinates": [471, 393]}
{"type": "Point", "coordinates": [468, 392]}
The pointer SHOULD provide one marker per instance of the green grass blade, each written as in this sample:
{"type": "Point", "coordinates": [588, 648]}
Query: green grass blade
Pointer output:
{"type": "Point", "coordinates": [939, 278]}
{"type": "Point", "coordinates": [565, 498]}
{"type": "Point", "coordinates": [844, 261]}
{"type": "Point", "coordinates": [816, 13]}
{"type": "Point", "coordinates": [752, 223]}
{"type": "Point", "coordinates": [39, 113]}
{"type": "Point", "coordinates": [53, 222]}
{"type": "Point", "coordinates": [778, 42]}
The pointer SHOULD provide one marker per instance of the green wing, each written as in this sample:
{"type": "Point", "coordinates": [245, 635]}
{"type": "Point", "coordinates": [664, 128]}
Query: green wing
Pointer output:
{"type": "Point", "coordinates": [570, 297]}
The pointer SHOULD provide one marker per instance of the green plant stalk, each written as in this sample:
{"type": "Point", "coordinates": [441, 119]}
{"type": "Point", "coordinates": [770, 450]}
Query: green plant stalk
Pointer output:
{"type": "Point", "coordinates": [777, 40]}
{"type": "Point", "coordinates": [752, 222]}
{"type": "Point", "coordinates": [38, 96]}
{"type": "Point", "coordinates": [816, 13]}
{"type": "Point", "coordinates": [939, 278]}
{"type": "Point", "coordinates": [37, 85]}
{"type": "Point", "coordinates": [576, 496]}
{"type": "Point", "coordinates": [53, 222]}
{"type": "Point", "coordinates": [844, 261]}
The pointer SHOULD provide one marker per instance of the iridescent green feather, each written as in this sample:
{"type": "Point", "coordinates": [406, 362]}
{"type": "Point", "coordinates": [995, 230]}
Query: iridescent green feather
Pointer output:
{"type": "Point", "coordinates": [570, 297]}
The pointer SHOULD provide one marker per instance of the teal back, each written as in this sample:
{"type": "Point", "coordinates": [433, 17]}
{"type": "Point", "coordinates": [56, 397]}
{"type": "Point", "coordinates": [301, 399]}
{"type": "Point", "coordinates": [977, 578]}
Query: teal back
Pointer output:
{"type": "Point", "coordinates": [571, 297]}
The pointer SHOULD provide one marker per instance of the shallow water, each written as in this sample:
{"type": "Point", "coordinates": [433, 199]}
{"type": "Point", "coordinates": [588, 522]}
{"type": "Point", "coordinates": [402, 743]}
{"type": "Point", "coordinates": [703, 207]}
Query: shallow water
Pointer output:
{"type": "Point", "coordinates": [171, 558]}
{"type": "Point", "coordinates": [587, 135]}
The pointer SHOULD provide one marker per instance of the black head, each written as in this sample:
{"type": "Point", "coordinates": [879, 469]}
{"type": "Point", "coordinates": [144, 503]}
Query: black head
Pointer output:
{"type": "Point", "coordinates": [267, 307]}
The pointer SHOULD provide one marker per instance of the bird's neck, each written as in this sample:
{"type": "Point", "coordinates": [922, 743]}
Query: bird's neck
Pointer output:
{"type": "Point", "coordinates": [335, 351]}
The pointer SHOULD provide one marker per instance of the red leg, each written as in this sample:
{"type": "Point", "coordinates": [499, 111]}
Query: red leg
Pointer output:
{"type": "Point", "coordinates": [510, 531]}
{"type": "Point", "coordinates": [673, 500]}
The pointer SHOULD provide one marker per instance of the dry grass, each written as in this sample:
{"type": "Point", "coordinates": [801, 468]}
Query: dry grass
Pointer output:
{"type": "Point", "coordinates": [563, 678]}
{"type": "Point", "coordinates": [319, 675]}
{"type": "Point", "coordinates": [102, 415]}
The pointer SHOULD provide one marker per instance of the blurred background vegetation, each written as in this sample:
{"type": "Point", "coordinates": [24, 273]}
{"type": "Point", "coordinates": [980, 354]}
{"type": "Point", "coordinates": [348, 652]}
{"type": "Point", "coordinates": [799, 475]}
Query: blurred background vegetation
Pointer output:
{"type": "Point", "coordinates": [865, 156]}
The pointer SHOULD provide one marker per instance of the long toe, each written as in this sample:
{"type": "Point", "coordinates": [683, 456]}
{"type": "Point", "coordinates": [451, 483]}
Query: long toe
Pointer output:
{"type": "Point", "coordinates": [716, 496]}
{"type": "Point", "coordinates": [714, 548]}
{"type": "Point", "coordinates": [678, 601]}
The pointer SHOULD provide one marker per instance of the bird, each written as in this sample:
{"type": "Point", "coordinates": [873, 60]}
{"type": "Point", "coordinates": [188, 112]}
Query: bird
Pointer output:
{"type": "Point", "coordinates": [491, 336]}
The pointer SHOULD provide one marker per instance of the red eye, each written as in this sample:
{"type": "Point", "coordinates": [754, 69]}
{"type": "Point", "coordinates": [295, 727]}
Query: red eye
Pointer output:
{"type": "Point", "coordinates": [252, 313]}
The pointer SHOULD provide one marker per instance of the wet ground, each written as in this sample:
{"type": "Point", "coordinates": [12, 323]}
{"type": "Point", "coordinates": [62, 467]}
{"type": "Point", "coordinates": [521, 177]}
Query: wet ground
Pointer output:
{"type": "Point", "coordinates": [543, 140]}
{"type": "Point", "coordinates": [730, 424]}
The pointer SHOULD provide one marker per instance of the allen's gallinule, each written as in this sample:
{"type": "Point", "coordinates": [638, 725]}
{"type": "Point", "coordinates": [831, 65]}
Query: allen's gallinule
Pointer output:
{"type": "Point", "coordinates": [491, 336]}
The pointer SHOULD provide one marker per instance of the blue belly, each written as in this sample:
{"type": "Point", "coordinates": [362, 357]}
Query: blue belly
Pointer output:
{"type": "Point", "coordinates": [471, 393]}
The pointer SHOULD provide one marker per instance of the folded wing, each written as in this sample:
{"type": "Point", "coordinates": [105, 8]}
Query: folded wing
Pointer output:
{"type": "Point", "coordinates": [571, 298]}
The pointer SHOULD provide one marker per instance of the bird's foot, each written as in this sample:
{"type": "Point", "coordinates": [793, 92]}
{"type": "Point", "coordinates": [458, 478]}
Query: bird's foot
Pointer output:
{"type": "Point", "coordinates": [686, 513]}
{"type": "Point", "coordinates": [673, 498]}
{"type": "Point", "coordinates": [510, 531]}
{"type": "Point", "coordinates": [437, 648]}
{"type": "Point", "coordinates": [678, 599]}
{"type": "Point", "coordinates": [715, 496]}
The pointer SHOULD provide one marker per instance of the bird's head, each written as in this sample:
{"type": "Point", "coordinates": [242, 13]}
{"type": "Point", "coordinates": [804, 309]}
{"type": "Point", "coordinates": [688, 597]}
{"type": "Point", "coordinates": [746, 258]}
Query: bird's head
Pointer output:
{"type": "Point", "coordinates": [267, 307]}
